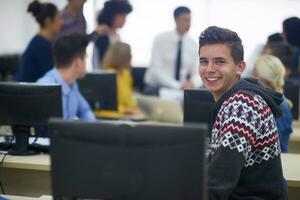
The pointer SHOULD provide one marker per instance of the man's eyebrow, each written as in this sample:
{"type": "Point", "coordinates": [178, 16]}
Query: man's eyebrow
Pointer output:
{"type": "Point", "coordinates": [219, 58]}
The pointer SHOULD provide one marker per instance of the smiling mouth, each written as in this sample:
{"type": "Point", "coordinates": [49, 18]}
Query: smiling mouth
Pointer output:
{"type": "Point", "coordinates": [212, 78]}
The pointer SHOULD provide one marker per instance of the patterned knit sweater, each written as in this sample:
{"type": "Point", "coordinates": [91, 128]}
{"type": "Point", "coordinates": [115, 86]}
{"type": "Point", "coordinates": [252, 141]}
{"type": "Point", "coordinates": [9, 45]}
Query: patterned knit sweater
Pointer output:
{"type": "Point", "coordinates": [245, 158]}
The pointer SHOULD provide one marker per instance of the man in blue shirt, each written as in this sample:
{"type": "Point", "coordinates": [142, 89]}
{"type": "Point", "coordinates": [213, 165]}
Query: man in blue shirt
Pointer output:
{"type": "Point", "coordinates": [69, 56]}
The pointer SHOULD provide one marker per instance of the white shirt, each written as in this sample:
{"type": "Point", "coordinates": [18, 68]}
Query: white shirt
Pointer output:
{"type": "Point", "coordinates": [161, 72]}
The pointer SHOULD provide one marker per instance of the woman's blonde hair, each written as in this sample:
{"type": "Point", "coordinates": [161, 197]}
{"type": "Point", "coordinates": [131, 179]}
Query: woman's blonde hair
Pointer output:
{"type": "Point", "coordinates": [270, 70]}
{"type": "Point", "coordinates": [117, 56]}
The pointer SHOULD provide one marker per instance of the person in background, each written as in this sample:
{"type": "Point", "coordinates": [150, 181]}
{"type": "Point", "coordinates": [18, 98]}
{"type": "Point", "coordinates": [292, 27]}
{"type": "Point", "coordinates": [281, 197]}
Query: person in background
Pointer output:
{"type": "Point", "coordinates": [73, 20]}
{"type": "Point", "coordinates": [174, 57]}
{"type": "Point", "coordinates": [291, 35]}
{"type": "Point", "coordinates": [118, 59]}
{"type": "Point", "coordinates": [244, 162]}
{"type": "Point", "coordinates": [38, 58]}
{"type": "Point", "coordinates": [270, 71]}
{"type": "Point", "coordinates": [70, 55]}
{"type": "Point", "coordinates": [112, 17]}
{"type": "Point", "coordinates": [284, 52]}
{"type": "Point", "coordinates": [259, 50]}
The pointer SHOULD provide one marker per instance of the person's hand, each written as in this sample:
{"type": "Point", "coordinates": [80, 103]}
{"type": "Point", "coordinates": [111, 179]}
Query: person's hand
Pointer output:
{"type": "Point", "coordinates": [102, 29]}
{"type": "Point", "coordinates": [187, 85]}
{"type": "Point", "coordinates": [132, 111]}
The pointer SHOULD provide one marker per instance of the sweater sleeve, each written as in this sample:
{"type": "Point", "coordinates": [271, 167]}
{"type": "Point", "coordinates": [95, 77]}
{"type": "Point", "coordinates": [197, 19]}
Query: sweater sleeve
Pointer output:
{"type": "Point", "coordinates": [232, 137]}
{"type": "Point", "coordinates": [223, 171]}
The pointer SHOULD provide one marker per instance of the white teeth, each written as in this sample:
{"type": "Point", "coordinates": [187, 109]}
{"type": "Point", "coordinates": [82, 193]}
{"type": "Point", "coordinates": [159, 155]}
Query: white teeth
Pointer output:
{"type": "Point", "coordinates": [212, 79]}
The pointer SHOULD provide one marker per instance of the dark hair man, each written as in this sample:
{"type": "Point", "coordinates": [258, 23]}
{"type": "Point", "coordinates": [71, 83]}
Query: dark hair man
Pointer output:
{"type": "Point", "coordinates": [245, 159]}
{"type": "Point", "coordinates": [174, 57]}
{"type": "Point", "coordinates": [69, 55]}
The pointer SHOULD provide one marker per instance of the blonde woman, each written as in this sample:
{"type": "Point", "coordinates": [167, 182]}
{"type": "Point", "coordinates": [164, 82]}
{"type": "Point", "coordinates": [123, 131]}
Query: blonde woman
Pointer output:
{"type": "Point", "coordinates": [118, 59]}
{"type": "Point", "coordinates": [270, 71]}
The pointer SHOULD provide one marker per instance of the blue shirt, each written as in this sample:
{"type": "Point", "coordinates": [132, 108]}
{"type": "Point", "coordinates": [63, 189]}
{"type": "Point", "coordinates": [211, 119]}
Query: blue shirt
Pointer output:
{"type": "Point", "coordinates": [74, 104]}
{"type": "Point", "coordinates": [36, 60]}
{"type": "Point", "coordinates": [284, 125]}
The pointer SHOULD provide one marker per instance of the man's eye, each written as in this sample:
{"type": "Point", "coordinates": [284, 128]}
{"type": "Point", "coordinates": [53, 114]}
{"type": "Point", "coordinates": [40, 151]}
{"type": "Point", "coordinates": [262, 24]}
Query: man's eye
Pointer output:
{"type": "Point", "coordinates": [203, 62]}
{"type": "Point", "coordinates": [219, 62]}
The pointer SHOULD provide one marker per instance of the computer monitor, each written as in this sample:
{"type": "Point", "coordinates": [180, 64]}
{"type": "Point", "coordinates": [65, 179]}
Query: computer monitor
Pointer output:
{"type": "Point", "coordinates": [24, 105]}
{"type": "Point", "coordinates": [138, 74]}
{"type": "Point", "coordinates": [95, 160]}
{"type": "Point", "coordinates": [291, 91]}
{"type": "Point", "coordinates": [198, 105]}
{"type": "Point", "coordinates": [100, 90]}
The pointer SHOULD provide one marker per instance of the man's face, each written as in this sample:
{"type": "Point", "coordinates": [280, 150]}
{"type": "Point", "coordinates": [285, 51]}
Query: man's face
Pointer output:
{"type": "Point", "coordinates": [183, 22]}
{"type": "Point", "coordinates": [81, 67]}
{"type": "Point", "coordinates": [217, 69]}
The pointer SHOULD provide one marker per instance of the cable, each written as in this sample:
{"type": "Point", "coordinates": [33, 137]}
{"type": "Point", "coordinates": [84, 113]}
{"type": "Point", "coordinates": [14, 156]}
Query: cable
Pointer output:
{"type": "Point", "coordinates": [1, 163]}
{"type": "Point", "coordinates": [35, 139]}
{"type": "Point", "coordinates": [9, 143]}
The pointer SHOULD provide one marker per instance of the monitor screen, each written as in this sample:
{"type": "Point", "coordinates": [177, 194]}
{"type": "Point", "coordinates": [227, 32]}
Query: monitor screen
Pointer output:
{"type": "Point", "coordinates": [95, 160]}
{"type": "Point", "coordinates": [291, 91]}
{"type": "Point", "coordinates": [138, 74]}
{"type": "Point", "coordinates": [24, 105]}
{"type": "Point", "coordinates": [100, 90]}
{"type": "Point", "coordinates": [198, 105]}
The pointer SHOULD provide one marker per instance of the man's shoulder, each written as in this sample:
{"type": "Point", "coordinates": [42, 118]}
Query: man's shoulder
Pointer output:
{"type": "Point", "coordinates": [246, 98]}
{"type": "Point", "coordinates": [47, 78]}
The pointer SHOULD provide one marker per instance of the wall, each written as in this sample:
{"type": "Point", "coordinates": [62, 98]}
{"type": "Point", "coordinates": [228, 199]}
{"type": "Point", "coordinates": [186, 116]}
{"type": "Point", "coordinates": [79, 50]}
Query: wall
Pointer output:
{"type": "Point", "coordinates": [17, 26]}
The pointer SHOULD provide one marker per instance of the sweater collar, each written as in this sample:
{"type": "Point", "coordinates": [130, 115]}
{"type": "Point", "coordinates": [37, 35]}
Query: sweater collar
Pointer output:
{"type": "Point", "coordinates": [252, 86]}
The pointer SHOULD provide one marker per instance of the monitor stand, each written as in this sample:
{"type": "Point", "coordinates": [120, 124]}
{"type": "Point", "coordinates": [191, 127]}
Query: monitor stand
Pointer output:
{"type": "Point", "coordinates": [22, 141]}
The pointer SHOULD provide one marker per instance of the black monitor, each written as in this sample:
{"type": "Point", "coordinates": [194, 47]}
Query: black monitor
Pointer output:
{"type": "Point", "coordinates": [291, 91]}
{"type": "Point", "coordinates": [95, 160]}
{"type": "Point", "coordinates": [100, 90]}
{"type": "Point", "coordinates": [24, 105]}
{"type": "Point", "coordinates": [9, 65]}
{"type": "Point", "coordinates": [138, 74]}
{"type": "Point", "coordinates": [198, 105]}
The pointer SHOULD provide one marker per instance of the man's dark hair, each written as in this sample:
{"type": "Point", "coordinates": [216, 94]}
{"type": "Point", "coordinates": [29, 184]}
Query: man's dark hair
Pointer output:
{"type": "Point", "coordinates": [69, 47]}
{"type": "Point", "coordinates": [111, 9]}
{"type": "Point", "coordinates": [217, 35]}
{"type": "Point", "coordinates": [275, 37]}
{"type": "Point", "coordinates": [283, 51]}
{"type": "Point", "coordinates": [291, 29]}
{"type": "Point", "coordinates": [179, 10]}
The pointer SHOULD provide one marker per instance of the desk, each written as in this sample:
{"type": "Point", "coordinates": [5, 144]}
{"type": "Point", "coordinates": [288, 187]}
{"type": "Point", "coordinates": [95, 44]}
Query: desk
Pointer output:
{"type": "Point", "coordinates": [26, 175]}
{"type": "Point", "coordinates": [13, 197]}
{"type": "Point", "coordinates": [294, 143]}
{"type": "Point", "coordinates": [30, 175]}
{"type": "Point", "coordinates": [291, 171]}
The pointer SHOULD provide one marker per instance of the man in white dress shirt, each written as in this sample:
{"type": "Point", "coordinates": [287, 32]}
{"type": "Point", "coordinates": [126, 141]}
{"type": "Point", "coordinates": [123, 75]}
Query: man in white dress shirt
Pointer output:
{"type": "Point", "coordinates": [174, 62]}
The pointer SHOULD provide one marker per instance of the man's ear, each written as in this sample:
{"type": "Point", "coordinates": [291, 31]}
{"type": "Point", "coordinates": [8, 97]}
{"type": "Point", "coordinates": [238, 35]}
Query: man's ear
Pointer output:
{"type": "Point", "coordinates": [241, 67]}
{"type": "Point", "coordinates": [76, 62]}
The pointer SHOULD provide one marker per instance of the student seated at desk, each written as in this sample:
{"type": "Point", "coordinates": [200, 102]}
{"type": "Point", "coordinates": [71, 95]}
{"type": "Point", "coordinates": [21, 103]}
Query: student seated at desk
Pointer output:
{"type": "Point", "coordinates": [270, 71]}
{"type": "Point", "coordinates": [244, 162]}
{"type": "Point", "coordinates": [70, 55]}
{"type": "Point", "coordinates": [118, 59]}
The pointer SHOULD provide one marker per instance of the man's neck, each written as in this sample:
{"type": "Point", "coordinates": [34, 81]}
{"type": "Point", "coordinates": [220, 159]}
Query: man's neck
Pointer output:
{"type": "Point", "coordinates": [67, 75]}
{"type": "Point", "coordinates": [180, 33]}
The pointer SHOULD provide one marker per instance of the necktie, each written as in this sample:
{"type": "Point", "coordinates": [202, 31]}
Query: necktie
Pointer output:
{"type": "Point", "coordinates": [178, 60]}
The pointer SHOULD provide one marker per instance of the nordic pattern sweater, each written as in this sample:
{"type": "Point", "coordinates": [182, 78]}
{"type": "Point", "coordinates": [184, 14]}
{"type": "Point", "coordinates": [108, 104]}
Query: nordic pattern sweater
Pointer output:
{"type": "Point", "coordinates": [245, 163]}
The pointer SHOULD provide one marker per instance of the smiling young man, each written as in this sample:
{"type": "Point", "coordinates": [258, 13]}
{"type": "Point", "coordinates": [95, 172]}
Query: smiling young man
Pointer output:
{"type": "Point", "coordinates": [245, 159]}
